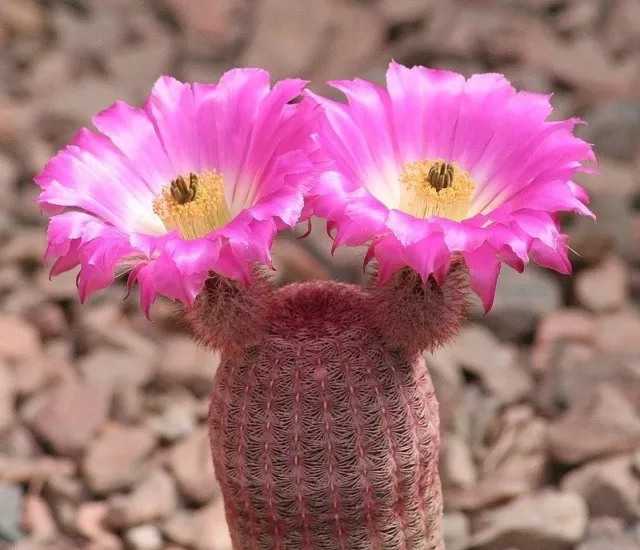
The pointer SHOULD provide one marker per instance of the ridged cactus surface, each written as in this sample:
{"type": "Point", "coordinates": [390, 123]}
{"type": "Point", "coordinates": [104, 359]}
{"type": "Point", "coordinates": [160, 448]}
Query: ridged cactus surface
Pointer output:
{"type": "Point", "coordinates": [324, 436]}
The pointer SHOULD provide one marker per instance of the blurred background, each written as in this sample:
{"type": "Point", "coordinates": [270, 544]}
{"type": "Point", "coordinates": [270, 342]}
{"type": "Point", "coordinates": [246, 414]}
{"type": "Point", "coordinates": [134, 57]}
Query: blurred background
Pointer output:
{"type": "Point", "coordinates": [102, 414]}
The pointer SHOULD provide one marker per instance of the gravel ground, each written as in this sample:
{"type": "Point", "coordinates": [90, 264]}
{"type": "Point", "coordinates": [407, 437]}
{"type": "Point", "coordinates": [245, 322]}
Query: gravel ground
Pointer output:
{"type": "Point", "coordinates": [102, 414]}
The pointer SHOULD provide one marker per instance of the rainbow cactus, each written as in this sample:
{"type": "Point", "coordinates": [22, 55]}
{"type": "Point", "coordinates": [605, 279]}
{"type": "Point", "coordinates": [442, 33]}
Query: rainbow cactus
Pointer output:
{"type": "Point", "coordinates": [324, 422]}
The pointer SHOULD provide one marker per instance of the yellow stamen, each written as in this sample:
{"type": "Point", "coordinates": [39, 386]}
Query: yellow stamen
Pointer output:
{"type": "Point", "coordinates": [194, 204]}
{"type": "Point", "coordinates": [436, 188]}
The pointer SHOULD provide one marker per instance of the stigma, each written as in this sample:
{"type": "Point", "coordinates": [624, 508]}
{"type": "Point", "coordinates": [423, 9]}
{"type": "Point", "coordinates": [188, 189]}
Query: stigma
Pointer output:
{"type": "Point", "coordinates": [435, 188]}
{"type": "Point", "coordinates": [193, 204]}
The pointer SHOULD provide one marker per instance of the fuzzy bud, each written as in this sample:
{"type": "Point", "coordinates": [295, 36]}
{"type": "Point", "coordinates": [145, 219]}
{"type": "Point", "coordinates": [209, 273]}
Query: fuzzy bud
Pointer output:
{"type": "Point", "coordinates": [228, 315]}
{"type": "Point", "coordinates": [415, 315]}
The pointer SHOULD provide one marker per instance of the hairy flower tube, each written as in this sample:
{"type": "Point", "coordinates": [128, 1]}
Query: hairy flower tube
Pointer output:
{"type": "Point", "coordinates": [437, 166]}
{"type": "Point", "coordinates": [199, 180]}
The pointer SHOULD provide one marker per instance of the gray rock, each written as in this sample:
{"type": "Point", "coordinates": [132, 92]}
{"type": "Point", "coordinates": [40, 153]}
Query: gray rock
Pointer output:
{"type": "Point", "coordinates": [614, 128]}
{"type": "Point", "coordinates": [521, 300]}
{"type": "Point", "coordinates": [481, 353]}
{"type": "Point", "coordinates": [10, 512]}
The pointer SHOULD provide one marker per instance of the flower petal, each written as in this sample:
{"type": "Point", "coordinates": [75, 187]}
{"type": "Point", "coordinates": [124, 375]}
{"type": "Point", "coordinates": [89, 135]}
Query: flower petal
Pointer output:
{"type": "Point", "coordinates": [521, 164]}
{"type": "Point", "coordinates": [240, 128]}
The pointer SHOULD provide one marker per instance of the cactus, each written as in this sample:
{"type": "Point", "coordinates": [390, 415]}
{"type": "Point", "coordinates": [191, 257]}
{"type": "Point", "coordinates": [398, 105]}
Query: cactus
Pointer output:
{"type": "Point", "coordinates": [324, 423]}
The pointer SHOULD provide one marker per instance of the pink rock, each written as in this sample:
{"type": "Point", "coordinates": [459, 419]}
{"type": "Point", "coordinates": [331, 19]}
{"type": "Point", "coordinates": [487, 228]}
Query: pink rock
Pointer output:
{"type": "Point", "coordinates": [90, 522]}
{"type": "Point", "coordinates": [566, 324]}
{"type": "Point", "coordinates": [210, 26]}
{"type": "Point", "coordinates": [6, 398]}
{"type": "Point", "coordinates": [604, 287]}
{"type": "Point", "coordinates": [37, 518]}
{"type": "Point", "coordinates": [183, 362]}
{"type": "Point", "coordinates": [113, 459]}
{"type": "Point", "coordinates": [113, 368]}
{"type": "Point", "coordinates": [602, 423]}
{"type": "Point", "coordinates": [20, 340]}
{"type": "Point", "coordinates": [68, 415]}
{"type": "Point", "coordinates": [205, 529]}
{"type": "Point", "coordinates": [191, 464]}
{"type": "Point", "coordinates": [619, 332]}
{"type": "Point", "coordinates": [155, 497]}
{"type": "Point", "coordinates": [610, 487]}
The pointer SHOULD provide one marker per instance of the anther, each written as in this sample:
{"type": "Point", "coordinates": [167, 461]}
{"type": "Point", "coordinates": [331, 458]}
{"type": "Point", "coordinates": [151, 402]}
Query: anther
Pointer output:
{"type": "Point", "coordinates": [440, 176]}
{"type": "Point", "coordinates": [183, 191]}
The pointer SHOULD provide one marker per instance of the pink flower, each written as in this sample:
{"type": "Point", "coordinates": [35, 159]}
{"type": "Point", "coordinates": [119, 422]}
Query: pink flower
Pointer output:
{"type": "Point", "coordinates": [437, 166]}
{"type": "Point", "coordinates": [198, 180]}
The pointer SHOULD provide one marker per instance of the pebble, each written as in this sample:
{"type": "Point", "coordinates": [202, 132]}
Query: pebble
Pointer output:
{"type": "Point", "coordinates": [567, 324]}
{"type": "Point", "coordinates": [614, 128]}
{"type": "Point", "coordinates": [456, 529]}
{"type": "Point", "coordinates": [191, 463]}
{"type": "Point", "coordinates": [619, 332]}
{"type": "Point", "coordinates": [6, 398]}
{"type": "Point", "coordinates": [457, 466]}
{"type": "Point", "coordinates": [401, 11]}
{"type": "Point", "coordinates": [113, 459]}
{"type": "Point", "coordinates": [23, 17]}
{"type": "Point", "coordinates": [11, 502]}
{"type": "Point", "coordinates": [38, 518]}
{"type": "Point", "coordinates": [577, 370]}
{"type": "Point", "coordinates": [183, 362]}
{"type": "Point", "coordinates": [522, 299]}
{"type": "Point", "coordinates": [604, 287]}
{"type": "Point", "coordinates": [8, 176]}
{"type": "Point", "coordinates": [550, 520]}
{"type": "Point", "coordinates": [514, 463]}
{"type": "Point", "coordinates": [68, 415]}
{"type": "Point", "coordinates": [205, 529]}
{"type": "Point", "coordinates": [610, 487]}
{"type": "Point", "coordinates": [113, 368]}
{"type": "Point", "coordinates": [477, 349]}
{"type": "Point", "coordinates": [144, 537]}
{"type": "Point", "coordinates": [602, 423]}
{"type": "Point", "coordinates": [288, 49]}
{"type": "Point", "coordinates": [175, 422]}
{"type": "Point", "coordinates": [211, 28]}
{"type": "Point", "coordinates": [90, 522]}
{"type": "Point", "coordinates": [20, 341]}
{"type": "Point", "coordinates": [155, 497]}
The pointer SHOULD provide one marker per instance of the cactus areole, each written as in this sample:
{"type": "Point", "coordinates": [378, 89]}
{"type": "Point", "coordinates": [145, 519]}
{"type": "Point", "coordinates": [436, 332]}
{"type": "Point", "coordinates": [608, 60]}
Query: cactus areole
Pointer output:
{"type": "Point", "coordinates": [324, 423]}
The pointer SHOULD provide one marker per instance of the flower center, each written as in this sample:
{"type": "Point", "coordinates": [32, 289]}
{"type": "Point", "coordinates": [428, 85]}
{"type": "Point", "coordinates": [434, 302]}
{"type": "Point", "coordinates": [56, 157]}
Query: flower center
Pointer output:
{"type": "Point", "coordinates": [435, 188]}
{"type": "Point", "coordinates": [193, 204]}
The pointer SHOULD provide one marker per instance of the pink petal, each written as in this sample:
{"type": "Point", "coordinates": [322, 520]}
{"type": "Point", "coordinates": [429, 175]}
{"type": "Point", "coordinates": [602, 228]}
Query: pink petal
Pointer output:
{"type": "Point", "coordinates": [253, 136]}
{"type": "Point", "coordinates": [523, 167]}
{"type": "Point", "coordinates": [484, 268]}
{"type": "Point", "coordinates": [171, 109]}
{"type": "Point", "coordinates": [133, 133]}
